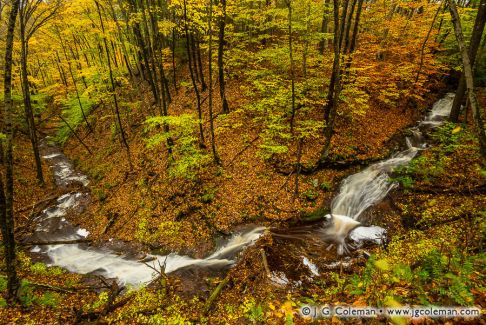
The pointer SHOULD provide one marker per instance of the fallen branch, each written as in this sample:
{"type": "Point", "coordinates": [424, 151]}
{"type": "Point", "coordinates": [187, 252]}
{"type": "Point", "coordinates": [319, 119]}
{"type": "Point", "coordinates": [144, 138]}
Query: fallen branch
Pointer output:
{"type": "Point", "coordinates": [214, 295]}
{"type": "Point", "coordinates": [242, 150]}
{"type": "Point", "coordinates": [50, 287]}
{"type": "Point", "coordinates": [111, 221]}
{"type": "Point", "coordinates": [75, 134]}
{"type": "Point", "coordinates": [57, 242]}
{"type": "Point", "coordinates": [265, 262]}
{"type": "Point", "coordinates": [441, 190]}
{"type": "Point", "coordinates": [35, 205]}
{"type": "Point", "coordinates": [286, 169]}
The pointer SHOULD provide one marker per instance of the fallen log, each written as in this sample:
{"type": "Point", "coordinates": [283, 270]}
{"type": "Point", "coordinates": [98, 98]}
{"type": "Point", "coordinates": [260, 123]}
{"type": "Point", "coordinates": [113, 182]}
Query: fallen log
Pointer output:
{"type": "Point", "coordinates": [50, 287]}
{"type": "Point", "coordinates": [35, 205]}
{"type": "Point", "coordinates": [56, 242]}
{"type": "Point", "coordinates": [441, 190]}
{"type": "Point", "coordinates": [214, 295]}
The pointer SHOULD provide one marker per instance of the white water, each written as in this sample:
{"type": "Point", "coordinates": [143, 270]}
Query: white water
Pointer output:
{"type": "Point", "coordinates": [362, 190]}
{"type": "Point", "coordinates": [80, 258]}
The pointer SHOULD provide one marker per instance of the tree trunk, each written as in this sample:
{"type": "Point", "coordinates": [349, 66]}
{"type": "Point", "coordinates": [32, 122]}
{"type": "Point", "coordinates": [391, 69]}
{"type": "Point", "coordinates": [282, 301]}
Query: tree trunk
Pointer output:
{"type": "Point", "coordinates": [331, 106]}
{"type": "Point", "coordinates": [173, 45]}
{"type": "Point", "coordinates": [324, 43]}
{"type": "Point", "coordinates": [193, 79]}
{"type": "Point", "coordinates": [29, 114]}
{"type": "Point", "coordinates": [473, 50]}
{"type": "Point", "coordinates": [210, 68]}
{"type": "Point", "coordinates": [338, 33]}
{"type": "Point", "coordinates": [468, 74]}
{"type": "Point", "coordinates": [222, 85]}
{"type": "Point", "coordinates": [199, 64]}
{"type": "Point", "coordinates": [422, 48]}
{"type": "Point", "coordinates": [352, 44]}
{"type": "Point", "coordinates": [75, 84]}
{"type": "Point", "coordinates": [6, 196]}
{"type": "Point", "coordinates": [113, 89]}
{"type": "Point", "coordinates": [292, 74]}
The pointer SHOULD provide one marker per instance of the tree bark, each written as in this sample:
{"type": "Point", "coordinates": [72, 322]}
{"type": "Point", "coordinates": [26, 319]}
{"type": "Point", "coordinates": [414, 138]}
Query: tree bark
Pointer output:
{"type": "Point", "coordinates": [333, 100]}
{"type": "Point", "coordinates": [473, 50]}
{"type": "Point", "coordinates": [222, 85]}
{"type": "Point", "coordinates": [210, 68]}
{"type": "Point", "coordinates": [468, 75]}
{"type": "Point", "coordinates": [29, 114]}
{"type": "Point", "coordinates": [422, 48]}
{"type": "Point", "coordinates": [194, 84]}
{"type": "Point", "coordinates": [292, 73]}
{"type": "Point", "coordinates": [199, 63]}
{"type": "Point", "coordinates": [113, 89]}
{"type": "Point", "coordinates": [324, 43]}
{"type": "Point", "coordinates": [6, 196]}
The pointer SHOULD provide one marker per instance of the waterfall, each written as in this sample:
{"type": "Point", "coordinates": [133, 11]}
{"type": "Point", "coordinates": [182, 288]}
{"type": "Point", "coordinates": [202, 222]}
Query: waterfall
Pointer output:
{"type": "Point", "coordinates": [362, 190]}
{"type": "Point", "coordinates": [51, 225]}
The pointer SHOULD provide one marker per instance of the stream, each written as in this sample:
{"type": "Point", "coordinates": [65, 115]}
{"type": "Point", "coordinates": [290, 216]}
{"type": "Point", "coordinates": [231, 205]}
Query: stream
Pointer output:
{"type": "Point", "coordinates": [357, 193]}
{"type": "Point", "coordinates": [51, 225]}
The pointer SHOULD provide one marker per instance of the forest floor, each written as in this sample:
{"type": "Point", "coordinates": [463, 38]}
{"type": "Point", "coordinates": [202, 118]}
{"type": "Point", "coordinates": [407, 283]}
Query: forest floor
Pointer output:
{"type": "Point", "coordinates": [435, 221]}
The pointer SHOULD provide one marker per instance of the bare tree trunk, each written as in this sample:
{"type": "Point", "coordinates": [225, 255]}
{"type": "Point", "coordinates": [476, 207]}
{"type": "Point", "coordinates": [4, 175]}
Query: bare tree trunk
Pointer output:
{"type": "Point", "coordinates": [199, 63]}
{"type": "Point", "coordinates": [222, 85]}
{"type": "Point", "coordinates": [292, 73]}
{"type": "Point", "coordinates": [61, 70]}
{"type": "Point", "coordinates": [339, 29]}
{"type": "Point", "coordinates": [29, 114]}
{"type": "Point", "coordinates": [323, 44]}
{"type": "Point", "coordinates": [422, 48]}
{"type": "Point", "coordinates": [210, 68]}
{"type": "Point", "coordinates": [468, 74]}
{"type": "Point", "coordinates": [331, 106]}
{"type": "Point", "coordinates": [306, 41]}
{"type": "Point", "coordinates": [75, 84]}
{"type": "Point", "coordinates": [194, 84]}
{"type": "Point", "coordinates": [352, 44]}
{"type": "Point", "coordinates": [113, 89]}
{"type": "Point", "coordinates": [6, 196]}
{"type": "Point", "coordinates": [473, 50]}
{"type": "Point", "coordinates": [173, 44]}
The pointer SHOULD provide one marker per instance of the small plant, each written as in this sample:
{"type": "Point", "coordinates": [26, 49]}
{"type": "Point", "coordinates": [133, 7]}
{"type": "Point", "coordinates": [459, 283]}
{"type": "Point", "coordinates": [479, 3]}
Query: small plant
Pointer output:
{"type": "Point", "coordinates": [208, 195]}
{"type": "Point", "coordinates": [325, 186]}
{"type": "Point", "coordinates": [38, 268]}
{"type": "Point", "coordinates": [404, 180]}
{"type": "Point", "coordinates": [310, 195]}
{"type": "Point", "coordinates": [26, 296]}
{"type": "Point", "coordinates": [49, 299]}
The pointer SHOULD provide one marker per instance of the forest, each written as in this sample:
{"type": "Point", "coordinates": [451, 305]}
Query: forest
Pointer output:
{"type": "Point", "coordinates": [242, 161]}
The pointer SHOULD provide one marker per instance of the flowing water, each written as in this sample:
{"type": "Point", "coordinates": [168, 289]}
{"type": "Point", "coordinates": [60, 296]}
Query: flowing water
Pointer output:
{"type": "Point", "coordinates": [362, 190]}
{"type": "Point", "coordinates": [52, 226]}
{"type": "Point", "coordinates": [358, 192]}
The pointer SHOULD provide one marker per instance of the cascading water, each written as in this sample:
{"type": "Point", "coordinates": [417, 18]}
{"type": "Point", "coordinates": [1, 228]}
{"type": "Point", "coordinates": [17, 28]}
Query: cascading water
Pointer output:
{"type": "Point", "coordinates": [358, 192]}
{"type": "Point", "coordinates": [52, 226]}
{"type": "Point", "coordinates": [362, 190]}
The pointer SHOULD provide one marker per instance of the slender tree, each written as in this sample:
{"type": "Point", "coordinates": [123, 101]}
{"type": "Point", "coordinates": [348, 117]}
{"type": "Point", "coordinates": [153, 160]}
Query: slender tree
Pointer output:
{"type": "Point", "coordinates": [468, 75]}
{"type": "Point", "coordinates": [221, 41]}
{"type": "Point", "coordinates": [113, 88]}
{"type": "Point", "coordinates": [193, 79]}
{"type": "Point", "coordinates": [292, 72]}
{"type": "Point", "coordinates": [210, 68]}
{"type": "Point", "coordinates": [473, 51]}
{"type": "Point", "coordinates": [33, 14]}
{"type": "Point", "coordinates": [335, 87]}
{"type": "Point", "coordinates": [7, 194]}
{"type": "Point", "coordinates": [324, 43]}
